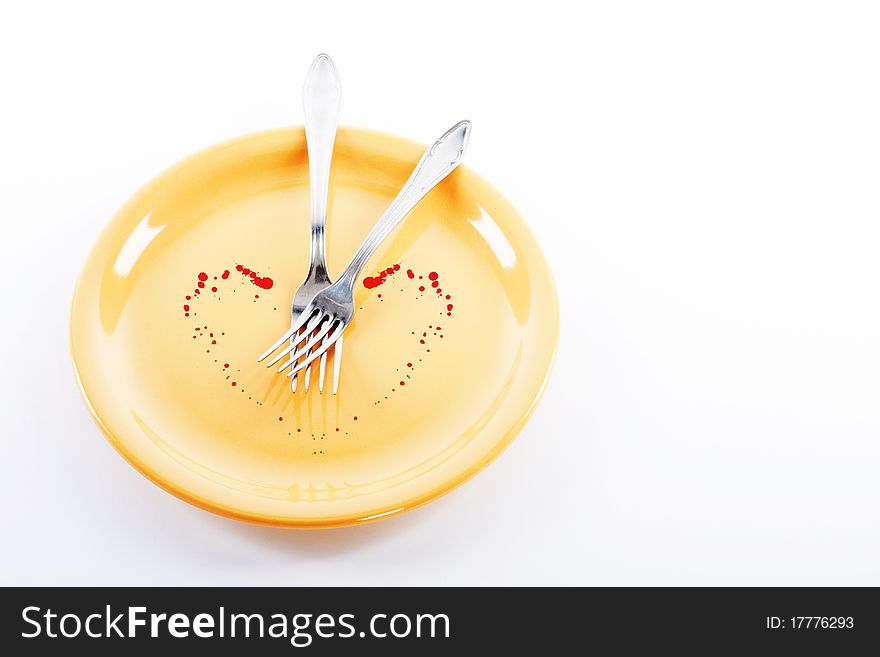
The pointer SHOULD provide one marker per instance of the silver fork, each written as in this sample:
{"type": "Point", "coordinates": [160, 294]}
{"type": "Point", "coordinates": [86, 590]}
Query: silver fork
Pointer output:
{"type": "Point", "coordinates": [333, 307]}
{"type": "Point", "coordinates": [321, 100]}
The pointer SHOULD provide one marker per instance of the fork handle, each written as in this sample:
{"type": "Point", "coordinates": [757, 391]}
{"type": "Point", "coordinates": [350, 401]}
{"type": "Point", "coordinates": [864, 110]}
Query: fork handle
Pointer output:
{"type": "Point", "coordinates": [322, 94]}
{"type": "Point", "coordinates": [438, 161]}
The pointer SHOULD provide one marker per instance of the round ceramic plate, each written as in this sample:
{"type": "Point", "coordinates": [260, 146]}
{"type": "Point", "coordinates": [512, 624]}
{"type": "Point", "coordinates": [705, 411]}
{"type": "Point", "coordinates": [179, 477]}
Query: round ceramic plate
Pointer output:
{"type": "Point", "coordinates": [448, 352]}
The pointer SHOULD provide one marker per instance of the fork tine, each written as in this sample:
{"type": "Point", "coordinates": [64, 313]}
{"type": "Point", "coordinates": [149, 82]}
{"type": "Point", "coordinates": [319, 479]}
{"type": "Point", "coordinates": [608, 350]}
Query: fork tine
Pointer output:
{"type": "Point", "coordinates": [289, 333]}
{"type": "Point", "coordinates": [308, 346]}
{"type": "Point", "coordinates": [308, 373]}
{"type": "Point", "coordinates": [313, 322]}
{"type": "Point", "coordinates": [329, 342]}
{"type": "Point", "coordinates": [294, 379]}
{"type": "Point", "coordinates": [337, 361]}
{"type": "Point", "coordinates": [322, 369]}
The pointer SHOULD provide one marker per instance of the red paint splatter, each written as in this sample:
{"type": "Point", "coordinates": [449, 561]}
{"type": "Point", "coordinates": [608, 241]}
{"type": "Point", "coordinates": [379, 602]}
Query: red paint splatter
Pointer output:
{"type": "Point", "coordinates": [263, 282]}
{"type": "Point", "coordinates": [409, 272]}
{"type": "Point", "coordinates": [433, 276]}
{"type": "Point", "coordinates": [375, 281]}
{"type": "Point", "coordinates": [225, 274]}
{"type": "Point", "coordinates": [203, 276]}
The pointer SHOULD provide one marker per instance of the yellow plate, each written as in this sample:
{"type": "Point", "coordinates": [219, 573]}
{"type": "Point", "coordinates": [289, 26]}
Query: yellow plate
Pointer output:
{"type": "Point", "coordinates": [435, 382]}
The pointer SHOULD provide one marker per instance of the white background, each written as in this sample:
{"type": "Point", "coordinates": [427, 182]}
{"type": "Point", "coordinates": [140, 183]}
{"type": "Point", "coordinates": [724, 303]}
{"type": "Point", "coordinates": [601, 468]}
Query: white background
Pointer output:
{"type": "Point", "coordinates": [704, 178]}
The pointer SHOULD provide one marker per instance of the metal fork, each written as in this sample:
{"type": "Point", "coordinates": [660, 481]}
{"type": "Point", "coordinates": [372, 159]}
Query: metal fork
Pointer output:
{"type": "Point", "coordinates": [321, 101]}
{"type": "Point", "coordinates": [333, 307]}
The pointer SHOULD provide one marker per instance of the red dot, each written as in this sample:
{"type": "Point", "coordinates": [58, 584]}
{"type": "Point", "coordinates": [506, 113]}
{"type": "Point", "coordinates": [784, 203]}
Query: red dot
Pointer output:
{"type": "Point", "coordinates": [409, 272]}
{"type": "Point", "coordinates": [402, 383]}
{"type": "Point", "coordinates": [396, 268]}
{"type": "Point", "coordinates": [186, 307]}
{"type": "Point", "coordinates": [213, 289]}
{"type": "Point", "coordinates": [238, 267]}
{"type": "Point", "coordinates": [213, 342]}
{"type": "Point", "coordinates": [201, 284]}
{"type": "Point", "coordinates": [433, 276]}
{"type": "Point", "coordinates": [435, 284]}
{"type": "Point", "coordinates": [421, 288]}
{"type": "Point", "coordinates": [188, 297]}
{"type": "Point", "coordinates": [337, 428]}
{"type": "Point", "coordinates": [355, 417]}
{"type": "Point", "coordinates": [233, 384]}
{"type": "Point", "coordinates": [448, 297]}
{"type": "Point", "coordinates": [203, 276]}
{"type": "Point", "coordinates": [225, 275]}
{"type": "Point", "coordinates": [225, 365]}
{"type": "Point", "coordinates": [448, 306]}
{"type": "Point", "coordinates": [409, 364]}
{"type": "Point", "coordinates": [281, 419]}
{"type": "Point", "coordinates": [298, 430]}
{"type": "Point", "coordinates": [422, 341]}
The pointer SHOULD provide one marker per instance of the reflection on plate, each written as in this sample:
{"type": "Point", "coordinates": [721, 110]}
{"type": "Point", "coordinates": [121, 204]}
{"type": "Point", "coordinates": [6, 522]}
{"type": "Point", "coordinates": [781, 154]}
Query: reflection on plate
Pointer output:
{"type": "Point", "coordinates": [445, 359]}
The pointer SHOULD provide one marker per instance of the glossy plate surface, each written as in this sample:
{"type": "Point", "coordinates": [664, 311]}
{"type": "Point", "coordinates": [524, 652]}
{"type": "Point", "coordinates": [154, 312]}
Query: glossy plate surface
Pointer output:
{"type": "Point", "coordinates": [445, 359]}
